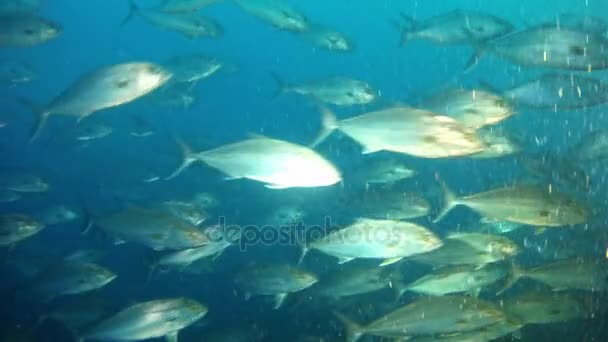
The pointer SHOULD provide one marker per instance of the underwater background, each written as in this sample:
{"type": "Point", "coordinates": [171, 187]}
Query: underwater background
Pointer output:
{"type": "Point", "coordinates": [105, 175]}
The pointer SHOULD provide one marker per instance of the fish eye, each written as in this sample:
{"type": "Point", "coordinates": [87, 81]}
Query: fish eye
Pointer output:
{"type": "Point", "coordinates": [29, 31]}
{"type": "Point", "coordinates": [122, 83]}
{"type": "Point", "coordinates": [577, 50]}
{"type": "Point", "coordinates": [479, 29]}
{"type": "Point", "coordinates": [350, 94]}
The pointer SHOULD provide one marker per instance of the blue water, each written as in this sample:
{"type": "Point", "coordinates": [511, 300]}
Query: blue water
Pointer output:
{"type": "Point", "coordinates": [106, 174]}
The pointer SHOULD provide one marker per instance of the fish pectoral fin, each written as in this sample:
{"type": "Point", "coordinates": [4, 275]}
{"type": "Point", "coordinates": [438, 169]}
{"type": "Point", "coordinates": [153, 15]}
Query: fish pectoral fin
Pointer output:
{"type": "Point", "coordinates": [279, 299]}
{"type": "Point", "coordinates": [539, 230]}
{"type": "Point", "coordinates": [391, 261]}
{"type": "Point", "coordinates": [344, 260]}
{"type": "Point", "coordinates": [172, 337]}
{"type": "Point", "coordinates": [277, 186]}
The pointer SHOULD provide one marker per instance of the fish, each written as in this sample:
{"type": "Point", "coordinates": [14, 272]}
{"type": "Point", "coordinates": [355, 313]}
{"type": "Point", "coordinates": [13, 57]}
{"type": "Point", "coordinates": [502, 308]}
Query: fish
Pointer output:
{"type": "Point", "coordinates": [586, 274]}
{"type": "Point", "coordinates": [184, 258]}
{"type": "Point", "coordinates": [69, 278]}
{"type": "Point", "coordinates": [387, 204]}
{"type": "Point", "coordinates": [17, 227]}
{"type": "Point", "coordinates": [188, 212]}
{"type": "Point", "coordinates": [274, 280]}
{"type": "Point", "coordinates": [26, 30]}
{"type": "Point", "coordinates": [276, 13]}
{"type": "Point", "coordinates": [7, 196]}
{"type": "Point", "coordinates": [429, 316]}
{"type": "Point", "coordinates": [405, 130]}
{"type": "Point", "coordinates": [536, 307]}
{"type": "Point", "coordinates": [156, 229]}
{"type": "Point", "coordinates": [277, 163]}
{"type": "Point", "coordinates": [14, 72]}
{"type": "Point", "coordinates": [473, 108]}
{"type": "Point", "coordinates": [485, 334]}
{"type": "Point", "coordinates": [192, 68]}
{"type": "Point", "coordinates": [587, 23]}
{"type": "Point", "coordinates": [454, 27]}
{"type": "Point", "coordinates": [23, 182]}
{"type": "Point", "coordinates": [191, 25]}
{"type": "Point", "coordinates": [20, 6]}
{"type": "Point", "coordinates": [454, 252]}
{"type": "Point", "coordinates": [328, 39]}
{"type": "Point", "coordinates": [548, 47]}
{"type": "Point", "coordinates": [178, 6]}
{"type": "Point", "coordinates": [552, 168]}
{"type": "Point", "coordinates": [497, 227]}
{"type": "Point", "coordinates": [85, 255]}
{"type": "Point", "coordinates": [489, 243]}
{"type": "Point", "coordinates": [498, 144]}
{"type": "Point", "coordinates": [147, 320]}
{"type": "Point", "coordinates": [592, 147]}
{"type": "Point", "coordinates": [335, 90]}
{"type": "Point", "coordinates": [58, 214]}
{"type": "Point", "coordinates": [93, 131]}
{"type": "Point", "coordinates": [356, 281]}
{"type": "Point", "coordinates": [103, 88]}
{"type": "Point", "coordinates": [557, 92]}
{"type": "Point", "coordinates": [525, 204]}
{"type": "Point", "coordinates": [377, 239]}
{"type": "Point", "coordinates": [384, 171]}
{"type": "Point", "coordinates": [173, 95]}
{"type": "Point", "coordinates": [459, 279]}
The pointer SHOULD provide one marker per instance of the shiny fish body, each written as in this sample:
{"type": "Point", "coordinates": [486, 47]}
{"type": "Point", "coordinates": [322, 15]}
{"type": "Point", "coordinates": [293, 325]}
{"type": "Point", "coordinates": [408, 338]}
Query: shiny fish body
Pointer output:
{"type": "Point", "coordinates": [473, 108]}
{"type": "Point", "coordinates": [156, 229]}
{"type": "Point", "coordinates": [277, 13]}
{"type": "Point", "coordinates": [381, 239]}
{"type": "Point", "coordinates": [559, 92]}
{"type": "Point", "coordinates": [156, 318]}
{"type": "Point", "coordinates": [16, 227]}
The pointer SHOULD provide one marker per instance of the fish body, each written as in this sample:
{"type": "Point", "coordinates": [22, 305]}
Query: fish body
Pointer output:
{"type": "Point", "coordinates": [26, 30]}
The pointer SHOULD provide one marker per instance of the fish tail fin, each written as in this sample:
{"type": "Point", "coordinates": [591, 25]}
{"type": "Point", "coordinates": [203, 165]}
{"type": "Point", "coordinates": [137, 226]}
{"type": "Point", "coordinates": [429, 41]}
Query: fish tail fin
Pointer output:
{"type": "Point", "coordinates": [329, 123]}
{"type": "Point", "coordinates": [303, 251]}
{"type": "Point", "coordinates": [353, 330]}
{"type": "Point", "coordinates": [479, 47]}
{"type": "Point", "coordinates": [188, 157]}
{"type": "Point", "coordinates": [407, 27]}
{"type": "Point", "coordinates": [282, 86]}
{"type": "Point", "coordinates": [133, 8]}
{"type": "Point", "coordinates": [450, 200]}
{"type": "Point", "coordinates": [515, 273]}
{"type": "Point", "coordinates": [40, 120]}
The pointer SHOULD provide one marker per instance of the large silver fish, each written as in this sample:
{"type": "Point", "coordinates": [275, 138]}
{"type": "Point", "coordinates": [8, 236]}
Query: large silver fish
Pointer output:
{"type": "Point", "coordinates": [15, 227]}
{"type": "Point", "coordinates": [178, 6]}
{"type": "Point", "coordinates": [103, 88]}
{"type": "Point", "coordinates": [147, 320]}
{"type": "Point", "coordinates": [336, 90]}
{"type": "Point", "coordinates": [405, 130]}
{"type": "Point", "coordinates": [549, 47]}
{"type": "Point", "coordinates": [453, 27]}
{"type": "Point", "coordinates": [277, 163]}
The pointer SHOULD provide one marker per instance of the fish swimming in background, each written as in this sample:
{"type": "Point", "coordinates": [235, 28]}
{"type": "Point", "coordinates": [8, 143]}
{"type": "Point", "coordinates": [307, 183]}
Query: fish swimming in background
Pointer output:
{"type": "Point", "coordinates": [453, 27]}
{"type": "Point", "coordinates": [189, 24]}
{"type": "Point", "coordinates": [102, 88]}
{"type": "Point", "coordinates": [557, 92]}
{"type": "Point", "coordinates": [17, 227]}
{"type": "Point", "coordinates": [547, 47]}
{"type": "Point", "coordinates": [277, 13]}
{"type": "Point", "coordinates": [178, 6]}
{"type": "Point", "coordinates": [13, 72]}
{"type": "Point", "coordinates": [336, 90]}
{"type": "Point", "coordinates": [20, 6]}
{"type": "Point", "coordinates": [26, 30]}
{"type": "Point", "coordinates": [328, 39]}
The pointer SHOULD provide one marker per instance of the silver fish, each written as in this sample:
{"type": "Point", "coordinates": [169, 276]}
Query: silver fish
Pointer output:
{"type": "Point", "coordinates": [336, 90]}
{"type": "Point", "coordinates": [177, 6]}
{"type": "Point", "coordinates": [103, 88]}
{"type": "Point", "coordinates": [453, 27]}
{"type": "Point", "coordinates": [277, 13]}
{"type": "Point", "coordinates": [14, 228]}
{"type": "Point", "coordinates": [26, 30]}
